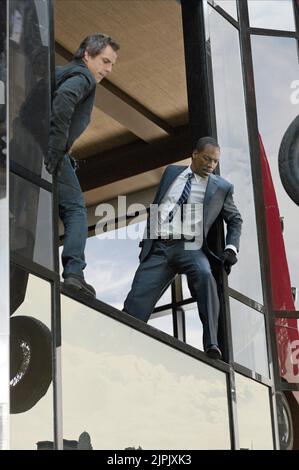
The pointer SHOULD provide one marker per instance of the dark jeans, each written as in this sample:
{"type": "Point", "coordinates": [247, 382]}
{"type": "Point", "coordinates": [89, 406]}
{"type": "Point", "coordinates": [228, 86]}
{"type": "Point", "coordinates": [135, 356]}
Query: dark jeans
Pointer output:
{"type": "Point", "coordinates": [73, 214]}
{"type": "Point", "coordinates": [158, 270]}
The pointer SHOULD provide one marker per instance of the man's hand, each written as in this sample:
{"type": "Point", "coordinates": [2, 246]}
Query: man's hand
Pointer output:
{"type": "Point", "coordinates": [228, 259]}
{"type": "Point", "coordinates": [53, 161]}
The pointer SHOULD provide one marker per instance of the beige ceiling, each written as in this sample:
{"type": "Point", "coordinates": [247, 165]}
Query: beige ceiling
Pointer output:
{"type": "Point", "coordinates": [144, 180]}
{"type": "Point", "coordinates": [150, 68]}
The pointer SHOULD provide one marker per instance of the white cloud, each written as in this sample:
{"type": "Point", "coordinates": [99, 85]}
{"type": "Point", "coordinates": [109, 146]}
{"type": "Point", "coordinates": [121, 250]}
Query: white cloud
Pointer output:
{"type": "Point", "coordinates": [272, 14]}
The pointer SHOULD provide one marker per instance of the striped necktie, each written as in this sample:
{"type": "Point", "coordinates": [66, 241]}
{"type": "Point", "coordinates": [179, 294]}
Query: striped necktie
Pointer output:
{"type": "Point", "coordinates": [182, 200]}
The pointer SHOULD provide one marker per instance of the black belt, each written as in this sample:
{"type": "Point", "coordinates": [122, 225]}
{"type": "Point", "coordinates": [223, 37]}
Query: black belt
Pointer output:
{"type": "Point", "coordinates": [172, 239]}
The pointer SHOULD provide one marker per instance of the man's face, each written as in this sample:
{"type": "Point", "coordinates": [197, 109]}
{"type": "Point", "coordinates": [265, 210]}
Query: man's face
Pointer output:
{"type": "Point", "coordinates": [205, 161]}
{"type": "Point", "coordinates": [101, 64]}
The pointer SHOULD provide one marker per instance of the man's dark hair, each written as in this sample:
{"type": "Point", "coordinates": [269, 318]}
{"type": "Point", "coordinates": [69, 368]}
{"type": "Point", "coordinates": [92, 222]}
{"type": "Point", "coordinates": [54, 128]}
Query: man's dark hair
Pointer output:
{"type": "Point", "coordinates": [94, 45]}
{"type": "Point", "coordinates": [203, 141]}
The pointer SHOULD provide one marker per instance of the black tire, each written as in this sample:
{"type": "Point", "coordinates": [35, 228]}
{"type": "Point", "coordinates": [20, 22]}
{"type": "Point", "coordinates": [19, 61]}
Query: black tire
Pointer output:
{"type": "Point", "coordinates": [30, 362]}
{"type": "Point", "coordinates": [293, 407]}
{"type": "Point", "coordinates": [18, 286]}
{"type": "Point", "coordinates": [288, 160]}
{"type": "Point", "coordinates": [285, 421]}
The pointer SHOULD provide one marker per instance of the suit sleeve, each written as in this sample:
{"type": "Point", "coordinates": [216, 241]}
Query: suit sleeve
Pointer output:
{"type": "Point", "coordinates": [66, 97]}
{"type": "Point", "coordinates": [233, 220]}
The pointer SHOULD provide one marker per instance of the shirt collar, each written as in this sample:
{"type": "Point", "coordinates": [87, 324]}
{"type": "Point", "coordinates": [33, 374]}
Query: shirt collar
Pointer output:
{"type": "Point", "coordinates": [198, 178]}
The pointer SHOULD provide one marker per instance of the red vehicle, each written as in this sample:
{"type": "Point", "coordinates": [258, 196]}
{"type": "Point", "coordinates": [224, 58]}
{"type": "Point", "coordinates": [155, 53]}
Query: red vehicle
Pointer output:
{"type": "Point", "coordinates": [287, 334]}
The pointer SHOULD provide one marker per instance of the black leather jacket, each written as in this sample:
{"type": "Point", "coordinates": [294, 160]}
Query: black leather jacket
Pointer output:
{"type": "Point", "coordinates": [72, 104]}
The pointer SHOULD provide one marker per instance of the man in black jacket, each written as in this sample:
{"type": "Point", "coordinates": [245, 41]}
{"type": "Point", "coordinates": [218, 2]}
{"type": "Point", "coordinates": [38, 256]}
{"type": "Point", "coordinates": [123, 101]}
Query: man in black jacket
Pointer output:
{"type": "Point", "coordinates": [71, 111]}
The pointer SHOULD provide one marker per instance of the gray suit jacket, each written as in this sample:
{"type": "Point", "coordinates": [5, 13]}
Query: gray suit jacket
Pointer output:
{"type": "Point", "coordinates": [218, 202]}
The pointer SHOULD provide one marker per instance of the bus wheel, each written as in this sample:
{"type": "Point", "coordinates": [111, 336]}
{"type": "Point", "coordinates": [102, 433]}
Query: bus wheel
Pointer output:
{"type": "Point", "coordinates": [288, 160]}
{"type": "Point", "coordinates": [30, 362]}
{"type": "Point", "coordinates": [285, 422]}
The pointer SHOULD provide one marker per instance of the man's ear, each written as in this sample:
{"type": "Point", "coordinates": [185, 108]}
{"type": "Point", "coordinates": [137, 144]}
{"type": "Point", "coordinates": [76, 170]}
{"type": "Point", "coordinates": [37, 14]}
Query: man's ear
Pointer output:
{"type": "Point", "coordinates": [85, 56]}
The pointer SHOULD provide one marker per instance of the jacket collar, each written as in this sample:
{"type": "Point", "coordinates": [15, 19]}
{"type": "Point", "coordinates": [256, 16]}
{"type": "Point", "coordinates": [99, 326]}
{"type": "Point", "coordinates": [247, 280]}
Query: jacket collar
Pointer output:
{"type": "Point", "coordinates": [212, 187]}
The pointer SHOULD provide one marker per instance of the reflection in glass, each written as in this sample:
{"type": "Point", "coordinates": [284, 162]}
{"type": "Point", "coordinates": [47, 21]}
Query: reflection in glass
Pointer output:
{"type": "Point", "coordinates": [29, 84]}
{"type": "Point", "coordinates": [253, 412]}
{"type": "Point", "coordinates": [4, 213]}
{"type": "Point", "coordinates": [229, 6]}
{"type": "Point", "coordinates": [135, 391]}
{"type": "Point", "coordinates": [186, 292]}
{"type": "Point", "coordinates": [30, 221]}
{"type": "Point", "coordinates": [32, 397]}
{"type": "Point", "coordinates": [275, 63]}
{"type": "Point", "coordinates": [165, 298]}
{"type": "Point", "coordinates": [233, 139]}
{"type": "Point", "coordinates": [271, 14]}
{"type": "Point", "coordinates": [3, 105]}
{"type": "Point", "coordinates": [287, 336]}
{"type": "Point", "coordinates": [249, 338]}
{"type": "Point", "coordinates": [163, 322]}
{"type": "Point", "coordinates": [193, 323]}
{"type": "Point", "coordinates": [4, 244]}
{"type": "Point", "coordinates": [112, 260]}
{"type": "Point", "coordinates": [4, 391]}
{"type": "Point", "coordinates": [42, 15]}
{"type": "Point", "coordinates": [194, 330]}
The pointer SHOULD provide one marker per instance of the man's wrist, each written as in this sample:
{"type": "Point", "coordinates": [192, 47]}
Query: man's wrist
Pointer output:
{"type": "Point", "coordinates": [56, 150]}
{"type": "Point", "coordinates": [231, 247]}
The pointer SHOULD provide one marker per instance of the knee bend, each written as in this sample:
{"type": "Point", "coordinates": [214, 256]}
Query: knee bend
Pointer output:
{"type": "Point", "coordinates": [203, 277]}
{"type": "Point", "coordinates": [136, 309]}
{"type": "Point", "coordinates": [79, 208]}
{"type": "Point", "coordinates": [204, 273]}
{"type": "Point", "coordinates": [73, 212]}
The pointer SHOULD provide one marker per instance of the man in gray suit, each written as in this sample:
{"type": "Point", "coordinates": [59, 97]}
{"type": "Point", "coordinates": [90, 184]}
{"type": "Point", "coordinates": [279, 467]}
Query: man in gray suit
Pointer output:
{"type": "Point", "coordinates": [187, 203]}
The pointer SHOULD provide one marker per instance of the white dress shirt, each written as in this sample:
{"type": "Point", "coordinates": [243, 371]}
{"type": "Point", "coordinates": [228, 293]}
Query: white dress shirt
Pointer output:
{"type": "Point", "coordinates": [191, 225]}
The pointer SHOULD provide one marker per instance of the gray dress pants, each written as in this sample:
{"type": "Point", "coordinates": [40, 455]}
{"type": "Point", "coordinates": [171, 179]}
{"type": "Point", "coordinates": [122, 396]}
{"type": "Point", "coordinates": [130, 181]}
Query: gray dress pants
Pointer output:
{"type": "Point", "coordinates": [166, 259]}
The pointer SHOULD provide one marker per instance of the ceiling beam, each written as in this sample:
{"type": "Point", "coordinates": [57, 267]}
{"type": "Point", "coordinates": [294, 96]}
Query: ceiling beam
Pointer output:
{"type": "Point", "coordinates": [133, 159]}
{"type": "Point", "coordinates": [124, 109]}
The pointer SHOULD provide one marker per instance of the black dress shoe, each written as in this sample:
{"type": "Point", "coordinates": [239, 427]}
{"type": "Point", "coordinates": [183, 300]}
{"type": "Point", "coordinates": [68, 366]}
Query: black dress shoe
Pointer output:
{"type": "Point", "coordinates": [78, 283]}
{"type": "Point", "coordinates": [213, 352]}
